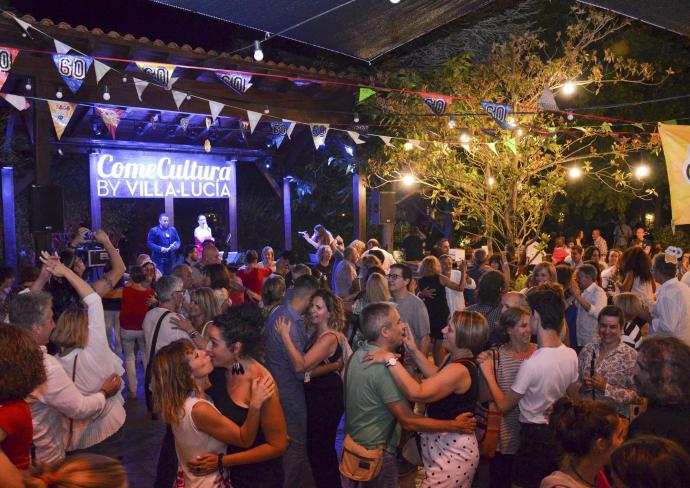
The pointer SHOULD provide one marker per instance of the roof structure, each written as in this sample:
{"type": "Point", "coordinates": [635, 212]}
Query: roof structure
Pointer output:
{"type": "Point", "coordinates": [672, 15]}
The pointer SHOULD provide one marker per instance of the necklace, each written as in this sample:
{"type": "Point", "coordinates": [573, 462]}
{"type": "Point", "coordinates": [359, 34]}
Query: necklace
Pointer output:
{"type": "Point", "coordinates": [580, 478]}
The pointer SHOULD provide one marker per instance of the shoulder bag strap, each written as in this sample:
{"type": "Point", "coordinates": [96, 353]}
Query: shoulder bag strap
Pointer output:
{"type": "Point", "coordinates": [152, 351]}
{"type": "Point", "coordinates": [71, 421]}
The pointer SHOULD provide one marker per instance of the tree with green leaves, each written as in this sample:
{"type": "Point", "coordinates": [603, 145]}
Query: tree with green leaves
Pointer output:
{"type": "Point", "coordinates": [500, 182]}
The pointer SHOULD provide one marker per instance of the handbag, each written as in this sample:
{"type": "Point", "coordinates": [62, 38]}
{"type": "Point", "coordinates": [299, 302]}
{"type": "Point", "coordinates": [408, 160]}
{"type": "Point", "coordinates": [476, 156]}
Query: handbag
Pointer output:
{"type": "Point", "coordinates": [488, 418]}
{"type": "Point", "coordinates": [359, 463]}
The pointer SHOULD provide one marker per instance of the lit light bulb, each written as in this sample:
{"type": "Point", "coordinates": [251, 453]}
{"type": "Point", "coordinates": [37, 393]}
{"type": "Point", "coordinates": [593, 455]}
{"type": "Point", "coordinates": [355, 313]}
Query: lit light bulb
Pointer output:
{"type": "Point", "coordinates": [491, 181]}
{"type": "Point", "coordinates": [394, 1]}
{"type": "Point", "coordinates": [28, 87]}
{"type": "Point", "coordinates": [408, 146]}
{"type": "Point", "coordinates": [408, 180]}
{"type": "Point", "coordinates": [575, 172]}
{"type": "Point", "coordinates": [355, 118]}
{"type": "Point", "coordinates": [465, 138]}
{"type": "Point", "coordinates": [642, 171]}
{"type": "Point", "coordinates": [58, 94]}
{"type": "Point", "coordinates": [266, 110]}
{"type": "Point", "coordinates": [510, 121]}
{"type": "Point", "coordinates": [568, 88]}
{"type": "Point", "coordinates": [570, 116]}
{"type": "Point", "coordinates": [451, 122]}
{"type": "Point", "coordinates": [124, 79]}
{"type": "Point", "coordinates": [258, 53]}
{"type": "Point", "coordinates": [106, 94]}
{"type": "Point", "coordinates": [189, 97]}
{"type": "Point", "coordinates": [520, 132]}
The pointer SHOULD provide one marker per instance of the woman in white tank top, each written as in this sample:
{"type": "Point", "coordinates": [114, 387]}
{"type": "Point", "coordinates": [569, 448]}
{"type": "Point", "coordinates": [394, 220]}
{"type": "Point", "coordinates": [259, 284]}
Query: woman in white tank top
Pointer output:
{"type": "Point", "coordinates": [179, 377]}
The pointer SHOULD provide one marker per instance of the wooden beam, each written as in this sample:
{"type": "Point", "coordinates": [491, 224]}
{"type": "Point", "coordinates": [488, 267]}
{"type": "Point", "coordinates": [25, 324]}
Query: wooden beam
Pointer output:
{"type": "Point", "coordinates": [81, 143]}
{"type": "Point", "coordinates": [359, 204]}
{"type": "Point", "coordinates": [287, 215]}
{"type": "Point", "coordinates": [8, 219]}
{"type": "Point", "coordinates": [269, 178]}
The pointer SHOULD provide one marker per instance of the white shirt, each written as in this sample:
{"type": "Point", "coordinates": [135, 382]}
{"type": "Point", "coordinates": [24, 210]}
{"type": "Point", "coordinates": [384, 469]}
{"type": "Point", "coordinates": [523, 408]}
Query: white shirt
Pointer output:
{"type": "Point", "coordinates": [644, 291]}
{"type": "Point", "coordinates": [388, 259]}
{"type": "Point", "coordinates": [686, 278]}
{"type": "Point", "coordinates": [456, 299]}
{"type": "Point", "coordinates": [569, 261]}
{"type": "Point", "coordinates": [95, 363]}
{"type": "Point", "coordinates": [671, 315]}
{"type": "Point", "coordinates": [345, 273]}
{"type": "Point", "coordinates": [609, 274]}
{"type": "Point", "coordinates": [534, 256]}
{"type": "Point", "coordinates": [52, 400]}
{"type": "Point", "coordinates": [168, 332]}
{"type": "Point", "coordinates": [587, 323]}
{"type": "Point", "coordinates": [542, 379]}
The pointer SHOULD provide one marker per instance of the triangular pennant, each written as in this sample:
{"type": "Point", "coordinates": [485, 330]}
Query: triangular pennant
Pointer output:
{"type": "Point", "coordinates": [61, 112]}
{"type": "Point", "coordinates": [254, 118]}
{"type": "Point", "coordinates": [437, 103]}
{"type": "Point", "coordinates": [498, 111]}
{"type": "Point", "coordinates": [73, 69]}
{"type": "Point", "coordinates": [184, 123]}
{"type": "Point", "coordinates": [290, 128]}
{"type": "Point", "coordinates": [179, 97]}
{"type": "Point", "coordinates": [236, 80]}
{"type": "Point", "coordinates": [279, 130]}
{"type": "Point", "coordinates": [639, 126]}
{"type": "Point", "coordinates": [16, 101]}
{"type": "Point", "coordinates": [355, 137]}
{"type": "Point", "coordinates": [111, 118]}
{"type": "Point", "coordinates": [140, 86]}
{"type": "Point", "coordinates": [365, 93]}
{"type": "Point", "coordinates": [7, 57]}
{"type": "Point", "coordinates": [511, 144]}
{"type": "Point", "coordinates": [61, 47]}
{"type": "Point", "coordinates": [386, 140]}
{"type": "Point", "coordinates": [172, 82]}
{"type": "Point", "coordinates": [492, 146]}
{"type": "Point", "coordinates": [547, 101]}
{"type": "Point", "coordinates": [23, 24]}
{"type": "Point", "coordinates": [216, 108]}
{"type": "Point", "coordinates": [318, 134]}
{"type": "Point", "coordinates": [101, 69]}
{"type": "Point", "coordinates": [161, 72]}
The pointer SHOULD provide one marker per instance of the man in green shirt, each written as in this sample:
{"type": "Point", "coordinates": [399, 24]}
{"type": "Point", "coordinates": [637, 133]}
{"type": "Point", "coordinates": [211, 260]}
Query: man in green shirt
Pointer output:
{"type": "Point", "coordinates": [373, 403]}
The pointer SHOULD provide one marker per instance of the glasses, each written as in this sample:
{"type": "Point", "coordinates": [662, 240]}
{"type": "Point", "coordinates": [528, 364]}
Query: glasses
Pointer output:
{"type": "Point", "coordinates": [392, 276]}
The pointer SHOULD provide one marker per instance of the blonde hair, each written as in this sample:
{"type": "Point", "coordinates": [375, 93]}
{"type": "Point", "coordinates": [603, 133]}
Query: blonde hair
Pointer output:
{"type": "Point", "coordinates": [430, 266]}
{"type": "Point", "coordinates": [377, 289]}
{"type": "Point", "coordinates": [550, 268]}
{"type": "Point", "coordinates": [471, 330]}
{"type": "Point", "coordinates": [171, 380]}
{"type": "Point", "coordinates": [72, 329]}
{"type": "Point", "coordinates": [630, 304]}
{"type": "Point", "coordinates": [370, 261]}
{"type": "Point", "coordinates": [81, 471]}
{"type": "Point", "coordinates": [205, 298]}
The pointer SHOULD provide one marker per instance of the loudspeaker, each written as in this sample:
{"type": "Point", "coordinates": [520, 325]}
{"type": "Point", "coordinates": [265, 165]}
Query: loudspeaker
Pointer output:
{"type": "Point", "coordinates": [383, 207]}
{"type": "Point", "coordinates": [46, 214]}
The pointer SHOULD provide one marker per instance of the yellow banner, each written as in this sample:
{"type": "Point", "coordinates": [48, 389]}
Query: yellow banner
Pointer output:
{"type": "Point", "coordinates": [675, 140]}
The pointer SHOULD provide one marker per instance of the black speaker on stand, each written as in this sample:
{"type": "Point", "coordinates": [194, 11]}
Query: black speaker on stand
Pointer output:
{"type": "Point", "coordinates": [46, 209]}
{"type": "Point", "coordinates": [383, 207]}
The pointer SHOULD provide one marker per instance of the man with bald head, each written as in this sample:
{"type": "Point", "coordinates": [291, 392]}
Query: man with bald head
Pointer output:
{"type": "Point", "coordinates": [209, 255]}
{"type": "Point", "coordinates": [513, 299]}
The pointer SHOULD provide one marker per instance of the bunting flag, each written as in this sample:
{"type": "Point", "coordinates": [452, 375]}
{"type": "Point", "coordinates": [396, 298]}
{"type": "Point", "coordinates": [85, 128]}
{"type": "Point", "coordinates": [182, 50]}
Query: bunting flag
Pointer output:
{"type": "Point", "coordinates": [547, 101]}
{"type": "Point", "coordinates": [61, 47]}
{"type": "Point", "coordinates": [61, 113]}
{"type": "Point", "coordinates": [437, 103]}
{"type": "Point", "coordinates": [290, 128]}
{"type": "Point", "coordinates": [111, 118]}
{"type": "Point", "coordinates": [365, 93]}
{"type": "Point", "coordinates": [254, 118]}
{"type": "Point", "coordinates": [101, 69]}
{"type": "Point", "coordinates": [318, 134]}
{"type": "Point", "coordinates": [179, 97]}
{"type": "Point", "coordinates": [498, 111]}
{"type": "Point", "coordinates": [73, 69]}
{"type": "Point", "coordinates": [184, 123]}
{"type": "Point", "coordinates": [675, 139]}
{"type": "Point", "coordinates": [208, 121]}
{"type": "Point", "coordinates": [7, 57]}
{"type": "Point", "coordinates": [279, 130]}
{"type": "Point", "coordinates": [216, 108]}
{"type": "Point", "coordinates": [24, 25]}
{"type": "Point", "coordinates": [236, 80]}
{"type": "Point", "coordinates": [386, 140]}
{"type": "Point", "coordinates": [140, 86]}
{"type": "Point", "coordinates": [511, 144]}
{"type": "Point", "coordinates": [355, 137]}
{"type": "Point", "coordinates": [361, 128]}
{"type": "Point", "coordinates": [18, 102]}
{"type": "Point", "coordinates": [161, 72]}
{"type": "Point", "coordinates": [492, 146]}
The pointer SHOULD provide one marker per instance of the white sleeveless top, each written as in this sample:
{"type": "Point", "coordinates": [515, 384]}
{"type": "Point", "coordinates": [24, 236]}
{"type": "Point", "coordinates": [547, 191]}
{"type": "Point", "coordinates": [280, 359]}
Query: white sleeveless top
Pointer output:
{"type": "Point", "coordinates": [644, 291]}
{"type": "Point", "coordinates": [191, 442]}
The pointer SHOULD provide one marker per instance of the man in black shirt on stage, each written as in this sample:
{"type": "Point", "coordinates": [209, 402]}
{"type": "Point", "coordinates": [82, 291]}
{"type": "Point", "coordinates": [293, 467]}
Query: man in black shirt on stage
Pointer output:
{"type": "Point", "coordinates": [163, 241]}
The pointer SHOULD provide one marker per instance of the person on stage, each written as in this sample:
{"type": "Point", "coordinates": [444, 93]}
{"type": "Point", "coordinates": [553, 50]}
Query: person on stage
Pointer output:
{"type": "Point", "coordinates": [163, 241]}
{"type": "Point", "coordinates": [202, 233]}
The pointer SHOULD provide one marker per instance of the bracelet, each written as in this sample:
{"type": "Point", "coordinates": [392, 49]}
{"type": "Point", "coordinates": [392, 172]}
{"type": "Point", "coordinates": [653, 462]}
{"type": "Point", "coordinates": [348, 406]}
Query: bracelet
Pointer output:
{"type": "Point", "coordinates": [220, 462]}
{"type": "Point", "coordinates": [193, 334]}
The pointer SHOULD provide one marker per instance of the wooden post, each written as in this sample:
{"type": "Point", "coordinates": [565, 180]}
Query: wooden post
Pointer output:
{"type": "Point", "coordinates": [42, 129]}
{"type": "Point", "coordinates": [95, 199]}
{"type": "Point", "coordinates": [287, 215]}
{"type": "Point", "coordinates": [232, 205]}
{"type": "Point", "coordinates": [359, 204]}
{"type": "Point", "coordinates": [9, 224]}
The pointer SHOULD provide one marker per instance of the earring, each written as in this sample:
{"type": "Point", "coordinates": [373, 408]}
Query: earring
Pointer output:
{"type": "Point", "coordinates": [237, 368]}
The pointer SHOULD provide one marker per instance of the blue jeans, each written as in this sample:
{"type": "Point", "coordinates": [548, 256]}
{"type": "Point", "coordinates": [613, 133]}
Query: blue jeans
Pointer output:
{"type": "Point", "coordinates": [295, 458]}
{"type": "Point", "coordinates": [387, 477]}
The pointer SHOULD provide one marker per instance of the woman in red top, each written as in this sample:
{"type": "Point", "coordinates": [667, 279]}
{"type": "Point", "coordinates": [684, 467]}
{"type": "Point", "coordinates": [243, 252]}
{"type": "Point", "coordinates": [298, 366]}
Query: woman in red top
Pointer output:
{"type": "Point", "coordinates": [21, 371]}
{"type": "Point", "coordinates": [252, 276]}
{"type": "Point", "coordinates": [135, 303]}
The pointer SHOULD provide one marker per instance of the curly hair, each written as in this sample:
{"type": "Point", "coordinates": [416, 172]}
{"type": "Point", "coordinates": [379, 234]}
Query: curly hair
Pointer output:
{"type": "Point", "coordinates": [577, 424]}
{"type": "Point", "coordinates": [172, 381]}
{"type": "Point", "coordinates": [666, 362]}
{"type": "Point", "coordinates": [636, 261]}
{"type": "Point", "coordinates": [21, 364]}
{"type": "Point", "coordinates": [81, 471]}
{"type": "Point", "coordinates": [336, 313]}
{"type": "Point", "coordinates": [242, 324]}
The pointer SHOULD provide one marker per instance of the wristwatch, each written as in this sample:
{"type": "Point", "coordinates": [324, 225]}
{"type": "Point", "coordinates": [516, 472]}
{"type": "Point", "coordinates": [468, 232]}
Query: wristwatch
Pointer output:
{"type": "Point", "coordinates": [391, 362]}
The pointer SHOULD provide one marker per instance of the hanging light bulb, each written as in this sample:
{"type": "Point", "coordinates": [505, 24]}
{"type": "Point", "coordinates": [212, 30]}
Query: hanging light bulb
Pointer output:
{"type": "Point", "coordinates": [451, 122]}
{"type": "Point", "coordinates": [408, 146]}
{"type": "Point", "coordinates": [642, 171]}
{"type": "Point", "coordinates": [409, 180]}
{"type": "Point", "coordinates": [58, 94]}
{"type": "Point", "coordinates": [258, 53]}
{"type": "Point", "coordinates": [570, 116]}
{"type": "Point", "coordinates": [491, 181]}
{"type": "Point", "coordinates": [568, 88]}
{"type": "Point", "coordinates": [355, 118]}
{"type": "Point", "coordinates": [266, 110]}
{"type": "Point", "coordinates": [124, 79]}
{"type": "Point", "coordinates": [106, 94]}
{"type": "Point", "coordinates": [28, 87]}
{"type": "Point", "coordinates": [465, 138]}
{"type": "Point", "coordinates": [520, 132]}
{"type": "Point", "coordinates": [189, 97]}
{"type": "Point", "coordinates": [511, 122]}
{"type": "Point", "coordinates": [394, 1]}
{"type": "Point", "coordinates": [575, 172]}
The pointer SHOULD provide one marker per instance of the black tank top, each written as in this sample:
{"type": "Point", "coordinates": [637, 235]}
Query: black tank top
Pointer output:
{"type": "Point", "coordinates": [449, 407]}
{"type": "Point", "coordinates": [327, 381]}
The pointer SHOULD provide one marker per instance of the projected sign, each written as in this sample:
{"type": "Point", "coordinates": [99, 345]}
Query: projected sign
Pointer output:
{"type": "Point", "coordinates": [145, 174]}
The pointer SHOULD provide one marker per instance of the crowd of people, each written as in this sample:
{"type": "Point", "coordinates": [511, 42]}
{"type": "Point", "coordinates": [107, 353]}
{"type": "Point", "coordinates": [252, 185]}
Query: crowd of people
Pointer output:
{"type": "Point", "coordinates": [567, 368]}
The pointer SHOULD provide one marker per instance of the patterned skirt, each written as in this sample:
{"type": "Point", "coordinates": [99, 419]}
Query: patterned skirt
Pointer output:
{"type": "Point", "coordinates": [450, 459]}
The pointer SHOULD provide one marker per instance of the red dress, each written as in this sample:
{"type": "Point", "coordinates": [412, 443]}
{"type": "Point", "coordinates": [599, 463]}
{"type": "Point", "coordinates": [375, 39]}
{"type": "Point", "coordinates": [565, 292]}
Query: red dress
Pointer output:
{"type": "Point", "coordinates": [254, 279]}
{"type": "Point", "coordinates": [15, 420]}
{"type": "Point", "coordinates": [134, 307]}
